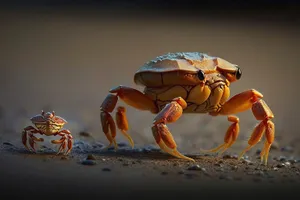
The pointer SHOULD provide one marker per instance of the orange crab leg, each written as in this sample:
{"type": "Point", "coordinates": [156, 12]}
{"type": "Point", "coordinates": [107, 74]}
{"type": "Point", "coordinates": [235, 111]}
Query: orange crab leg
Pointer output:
{"type": "Point", "coordinates": [122, 123]}
{"type": "Point", "coordinates": [161, 133]}
{"type": "Point", "coordinates": [230, 136]}
{"type": "Point", "coordinates": [252, 99]}
{"type": "Point", "coordinates": [27, 135]}
{"type": "Point", "coordinates": [131, 97]}
{"type": "Point", "coordinates": [66, 141]}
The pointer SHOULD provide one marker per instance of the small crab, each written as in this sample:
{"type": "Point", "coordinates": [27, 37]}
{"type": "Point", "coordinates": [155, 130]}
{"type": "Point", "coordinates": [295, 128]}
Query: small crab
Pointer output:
{"type": "Point", "coordinates": [48, 124]}
{"type": "Point", "coordinates": [188, 82]}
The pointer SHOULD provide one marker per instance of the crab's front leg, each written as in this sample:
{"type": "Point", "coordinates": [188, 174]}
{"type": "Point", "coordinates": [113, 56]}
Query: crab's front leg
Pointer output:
{"type": "Point", "coordinates": [161, 133]}
{"type": "Point", "coordinates": [252, 99]}
{"type": "Point", "coordinates": [66, 141]}
{"type": "Point", "coordinates": [27, 135]}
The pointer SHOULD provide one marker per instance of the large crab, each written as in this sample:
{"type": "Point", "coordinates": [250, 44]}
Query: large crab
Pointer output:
{"type": "Point", "coordinates": [188, 82]}
{"type": "Point", "coordinates": [48, 124]}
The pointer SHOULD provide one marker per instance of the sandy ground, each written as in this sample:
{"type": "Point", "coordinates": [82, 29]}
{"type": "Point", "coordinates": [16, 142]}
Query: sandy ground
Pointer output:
{"type": "Point", "coordinates": [68, 62]}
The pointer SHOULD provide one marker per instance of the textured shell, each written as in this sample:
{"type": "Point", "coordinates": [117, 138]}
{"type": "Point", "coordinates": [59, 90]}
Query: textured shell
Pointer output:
{"type": "Point", "coordinates": [40, 119]}
{"type": "Point", "coordinates": [186, 62]}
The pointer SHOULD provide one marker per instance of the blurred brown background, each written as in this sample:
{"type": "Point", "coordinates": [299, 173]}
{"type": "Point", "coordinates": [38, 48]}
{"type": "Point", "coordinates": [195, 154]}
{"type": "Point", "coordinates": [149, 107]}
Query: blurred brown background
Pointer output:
{"type": "Point", "coordinates": [68, 60]}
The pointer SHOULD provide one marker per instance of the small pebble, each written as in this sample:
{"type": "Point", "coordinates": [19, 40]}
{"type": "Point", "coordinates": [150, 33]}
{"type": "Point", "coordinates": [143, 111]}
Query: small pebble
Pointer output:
{"type": "Point", "coordinates": [282, 158]}
{"type": "Point", "coordinates": [181, 172]}
{"type": "Point", "coordinates": [275, 169]}
{"type": "Point", "coordinates": [287, 164]}
{"type": "Point", "coordinates": [106, 169]}
{"type": "Point", "coordinates": [248, 162]}
{"type": "Point", "coordinates": [88, 162]}
{"type": "Point", "coordinates": [91, 157]}
{"type": "Point", "coordinates": [280, 165]}
{"type": "Point", "coordinates": [103, 159]}
{"type": "Point", "coordinates": [7, 143]}
{"type": "Point", "coordinates": [234, 167]}
{"type": "Point", "coordinates": [194, 167]}
{"type": "Point", "coordinates": [298, 173]}
{"type": "Point", "coordinates": [84, 134]}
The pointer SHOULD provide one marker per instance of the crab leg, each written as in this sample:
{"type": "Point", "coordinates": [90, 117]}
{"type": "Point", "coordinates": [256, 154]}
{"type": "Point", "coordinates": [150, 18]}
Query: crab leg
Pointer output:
{"type": "Point", "coordinates": [27, 135]}
{"type": "Point", "coordinates": [66, 141]}
{"type": "Point", "coordinates": [252, 99]}
{"type": "Point", "coordinates": [230, 136]}
{"type": "Point", "coordinates": [162, 135]}
{"type": "Point", "coordinates": [131, 97]}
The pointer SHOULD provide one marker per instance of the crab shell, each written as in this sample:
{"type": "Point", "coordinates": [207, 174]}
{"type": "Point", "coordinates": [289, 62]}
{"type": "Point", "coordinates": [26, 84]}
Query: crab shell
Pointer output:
{"type": "Point", "coordinates": [48, 126]}
{"type": "Point", "coordinates": [171, 69]}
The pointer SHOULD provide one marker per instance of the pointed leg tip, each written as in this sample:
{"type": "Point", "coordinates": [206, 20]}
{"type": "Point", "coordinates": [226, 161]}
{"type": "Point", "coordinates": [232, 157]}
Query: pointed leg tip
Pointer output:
{"type": "Point", "coordinates": [240, 157]}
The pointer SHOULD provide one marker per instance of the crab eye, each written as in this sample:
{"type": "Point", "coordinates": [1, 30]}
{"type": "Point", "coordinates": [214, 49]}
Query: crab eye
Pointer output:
{"type": "Point", "coordinates": [238, 73]}
{"type": "Point", "coordinates": [200, 75]}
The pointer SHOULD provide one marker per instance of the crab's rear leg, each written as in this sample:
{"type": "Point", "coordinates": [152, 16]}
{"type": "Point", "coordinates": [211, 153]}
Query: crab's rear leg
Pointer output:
{"type": "Point", "coordinates": [131, 97]}
{"type": "Point", "coordinates": [161, 133]}
{"type": "Point", "coordinates": [66, 141]}
{"type": "Point", "coordinates": [252, 99]}
{"type": "Point", "coordinates": [27, 135]}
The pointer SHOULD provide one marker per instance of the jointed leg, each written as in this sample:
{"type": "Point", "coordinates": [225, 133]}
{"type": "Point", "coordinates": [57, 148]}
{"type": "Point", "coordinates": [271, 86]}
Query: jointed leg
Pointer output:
{"type": "Point", "coordinates": [161, 133]}
{"type": "Point", "coordinates": [122, 123]}
{"type": "Point", "coordinates": [230, 136]}
{"type": "Point", "coordinates": [27, 134]}
{"type": "Point", "coordinates": [66, 141]}
{"type": "Point", "coordinates": [262, 112]}
{"type": "Point", "coordinates": [131, 97]}
{"type": "Point", "coordinates": [252, 99]}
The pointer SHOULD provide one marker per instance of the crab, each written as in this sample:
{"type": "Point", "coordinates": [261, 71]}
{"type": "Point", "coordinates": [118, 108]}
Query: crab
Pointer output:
{"type": "Point", "coordinates": [188, 82]}
{"type": "Point", "coordinates": [48, 124]}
